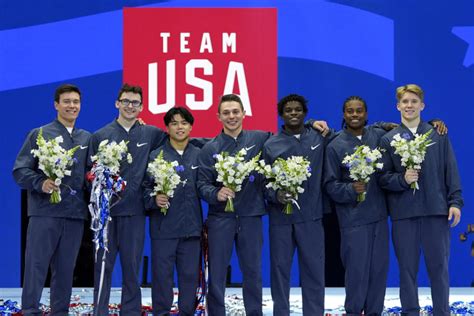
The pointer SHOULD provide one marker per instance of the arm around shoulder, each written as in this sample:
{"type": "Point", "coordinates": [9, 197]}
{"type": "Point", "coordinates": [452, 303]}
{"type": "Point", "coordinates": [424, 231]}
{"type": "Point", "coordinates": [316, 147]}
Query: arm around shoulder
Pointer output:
{"type": "Point", "coordinates": [389, 178]}
{"type": "Point", "coordinates": [25, 170]}
{"type": "Point", "coordinates": [453, 180]}
{"type": "Point", "coordinates": [338, 190]}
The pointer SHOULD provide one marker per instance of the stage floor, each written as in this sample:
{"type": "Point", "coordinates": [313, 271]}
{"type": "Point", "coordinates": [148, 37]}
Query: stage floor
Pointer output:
{"type": "Point", "coordinates": [334, 298]}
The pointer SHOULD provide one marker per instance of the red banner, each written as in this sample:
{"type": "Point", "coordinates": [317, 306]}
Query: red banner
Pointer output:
{"type": "Point", "coordinates": [191, 57]}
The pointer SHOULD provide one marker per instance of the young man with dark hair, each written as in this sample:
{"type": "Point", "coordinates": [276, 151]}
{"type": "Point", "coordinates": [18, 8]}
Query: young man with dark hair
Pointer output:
{"type": "Point", "coordinates": [243, 226]}
{"type": "Point", "coordinates": [420, 218]}
{"type": "Point", "coordinates": [54, 230]}
{"type": "Point", "coordinates": [363, 225]}
{"type": "Point", "coordinates": [303, 229]}
{"type": "Point", "coordinates": [175, 236]}
{"type": "Point", "coordinates": [127, 229]}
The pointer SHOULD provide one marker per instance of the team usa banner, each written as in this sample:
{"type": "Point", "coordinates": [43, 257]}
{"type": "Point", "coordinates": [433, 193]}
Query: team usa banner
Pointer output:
{"type": "Point", "coordinates": [191, 57]}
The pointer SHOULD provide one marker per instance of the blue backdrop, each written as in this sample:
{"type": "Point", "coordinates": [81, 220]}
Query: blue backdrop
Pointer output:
{"type": "Point", "coordinates": [327, 51]}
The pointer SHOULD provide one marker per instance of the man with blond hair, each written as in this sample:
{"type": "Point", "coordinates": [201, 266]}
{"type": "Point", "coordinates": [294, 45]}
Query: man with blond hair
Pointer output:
{"type": "Point", "coordinates": [420, 218]}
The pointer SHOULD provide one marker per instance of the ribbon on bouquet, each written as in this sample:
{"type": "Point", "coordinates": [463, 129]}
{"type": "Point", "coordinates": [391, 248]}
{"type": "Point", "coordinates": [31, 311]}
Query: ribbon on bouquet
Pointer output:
{"type": "Point", "coordinates": [105, 185]}
{"type": "Point", "coordinates": [293, 200]}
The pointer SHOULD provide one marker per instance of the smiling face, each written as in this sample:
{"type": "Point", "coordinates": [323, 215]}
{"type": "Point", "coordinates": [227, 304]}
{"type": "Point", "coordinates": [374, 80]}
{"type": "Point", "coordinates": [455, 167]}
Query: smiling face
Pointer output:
{"type": "Point", "coordinates": [293, 115]}
{"type": "Point", "coordinates": [178, 128]}
{"type": "Point", "coordinates": [68, 107]}
{"type": "Point", "coordinates": [355, 115]}
{"type": "Point", "coordinates": [231, 115]}
{"type": "Point", "coordinates": [129, 112]}
{"type": "Point", "coordinates": [410, 106]}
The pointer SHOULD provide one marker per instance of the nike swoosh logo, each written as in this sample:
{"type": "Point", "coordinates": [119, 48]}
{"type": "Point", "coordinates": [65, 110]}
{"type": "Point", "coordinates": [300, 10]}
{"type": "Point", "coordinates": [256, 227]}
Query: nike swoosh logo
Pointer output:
{"type": "Point", "coordinates": [83, 147]}
{"type": "Point", "coordinates": [248, 148]}
{"type": "Point", "coordinates": [314, 147]}
{"type": "Point", "coordinates": [142, 144]}
{"type": "Point", "coordinates": [194, 167]}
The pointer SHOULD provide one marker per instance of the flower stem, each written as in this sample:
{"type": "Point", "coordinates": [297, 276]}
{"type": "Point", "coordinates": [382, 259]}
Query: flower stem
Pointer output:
{"type": "Point", "coordinates": [361, 197]}
{"type": "Point", "coordinates": [229, 206]}
{"type": "Point", "coordinates": [288, 209]}
{"type": "Point", "coordinates": [55, 198]}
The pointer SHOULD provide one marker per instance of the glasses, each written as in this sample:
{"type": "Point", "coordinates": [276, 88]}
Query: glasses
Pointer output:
{"type": "Point", "coordinates": [134, 103]}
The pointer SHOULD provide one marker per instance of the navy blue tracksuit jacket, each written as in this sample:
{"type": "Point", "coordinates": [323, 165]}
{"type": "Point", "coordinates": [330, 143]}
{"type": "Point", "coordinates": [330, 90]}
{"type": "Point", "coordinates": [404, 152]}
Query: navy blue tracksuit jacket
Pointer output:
{"type": "Point", "coordinates": [420, 218]}
{"type": "Point", "coordinates": [54, 230]}
{"type": "Point", "coordinates": [364, 228]}
{"type": "Point", "coordinates": [244, 226]}
{"type": "Point", "coordinates": [127, 228]}
{"type": "Point", "coordinates": [302, 229]}
{"type": "Point", "coordinates": [176, 235]}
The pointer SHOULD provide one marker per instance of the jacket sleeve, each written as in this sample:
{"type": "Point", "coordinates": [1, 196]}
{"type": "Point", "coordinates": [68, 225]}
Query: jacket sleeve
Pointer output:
{"type": "Point", "coordinates": [199, 142]}
{"type": "Point", "coordinates": [453, 182]}
{"type": "Point", "coordinates": [389, 179]}
{"type": "Point", "coordinates": [25, 171]}
{"type": "Point", "coordinates": [331, 136]}
{"type": "Point", "coordinates": [158, 138]}
{"type": "Point", "coordinates": [269, 194]}
{"type": "Point", "coordinates": [93, 148]}
{"type": "Point", "coordinates": [309, 124]}
{"type": "Point", "coordinates": [207, 176]}
{"type": "Point", "coordinates": [339, 191]}
{"type": "Point", "coordinates": [148, 185]}
{"type": "Point", "coordinates": [385, 126]}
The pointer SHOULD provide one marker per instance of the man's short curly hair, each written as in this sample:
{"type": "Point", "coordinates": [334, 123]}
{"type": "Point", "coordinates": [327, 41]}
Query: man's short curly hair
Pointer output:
{"type": "Point", "coordinates": [292, 98]}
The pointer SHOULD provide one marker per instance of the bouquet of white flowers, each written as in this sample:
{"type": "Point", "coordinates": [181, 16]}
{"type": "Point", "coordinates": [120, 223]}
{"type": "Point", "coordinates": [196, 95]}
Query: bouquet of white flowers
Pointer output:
{"type": "Point", "coordinates": [412, 152]}
{"type": "Point", "coordinates": [287, 175]}
{"type": "Point", "coordinates": [111, 155]}
{"type": "Point", "coordinates": [166, 177]}
{"type": "Point", "coordinates": [232, 171]}
{"type": "Point", "coordinates": [106, 182]}
{"type": "Point", "coordinates": [54, 161]}
{"type": "Point", "coordinates": [362, 164]}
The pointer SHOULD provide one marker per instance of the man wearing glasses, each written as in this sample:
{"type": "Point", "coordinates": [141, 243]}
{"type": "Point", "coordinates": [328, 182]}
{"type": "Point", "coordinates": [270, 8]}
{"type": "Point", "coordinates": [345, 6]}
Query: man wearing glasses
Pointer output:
{"type": "Point", "coordinates": [127, 228]}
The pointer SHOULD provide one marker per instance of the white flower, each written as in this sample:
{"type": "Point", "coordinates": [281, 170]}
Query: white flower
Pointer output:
{"type": "Point", "coordinates": [53, 159]}
{"type": "Point", "coordinates": [287, 174]}
{"type": "Point", "coordinates": [165, 175]}
{"type": "Point", "coordinates": [362, 163]}
{"type": "Point", "coordinates": [233, 170]}
{"type": "Point", "coordinates": [110, 155]}
{"type": "Point", "coordinates": [412, 152]}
